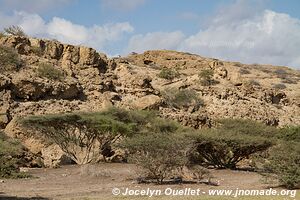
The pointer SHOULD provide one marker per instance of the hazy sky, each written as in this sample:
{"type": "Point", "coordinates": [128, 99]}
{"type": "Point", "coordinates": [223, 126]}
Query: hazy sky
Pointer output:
{"type": "Point", "coordinates": [249, 31]}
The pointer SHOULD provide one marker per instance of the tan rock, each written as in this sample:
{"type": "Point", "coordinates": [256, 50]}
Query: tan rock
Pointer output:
{"type": "Point", "coordinates": [53, 156]}
{"type": "Point", "coordinates": [54, 49]}
{"type": "Point", "coordinates": [147, 102]}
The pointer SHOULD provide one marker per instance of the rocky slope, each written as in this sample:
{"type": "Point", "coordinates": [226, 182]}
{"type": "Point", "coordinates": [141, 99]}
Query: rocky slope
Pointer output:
{"type": "Point", "coordinates": [92, 82]}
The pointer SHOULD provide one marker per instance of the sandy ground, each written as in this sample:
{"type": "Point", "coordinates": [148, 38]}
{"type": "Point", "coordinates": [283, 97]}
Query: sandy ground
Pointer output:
{"type": "Point", "coordinates": [97, 181]}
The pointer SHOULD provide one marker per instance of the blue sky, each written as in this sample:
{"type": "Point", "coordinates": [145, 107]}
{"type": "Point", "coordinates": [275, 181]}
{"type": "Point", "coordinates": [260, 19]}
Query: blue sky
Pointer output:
{"type": "Point", "coordinates": [250, 31]}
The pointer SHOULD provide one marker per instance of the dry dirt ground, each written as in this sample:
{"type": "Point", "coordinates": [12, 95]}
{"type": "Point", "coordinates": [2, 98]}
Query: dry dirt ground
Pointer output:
{"type": "Point", "coordinates": [97, 181]}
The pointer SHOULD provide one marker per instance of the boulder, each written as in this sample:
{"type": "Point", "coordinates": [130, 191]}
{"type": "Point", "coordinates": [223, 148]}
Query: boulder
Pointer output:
{"type": "Point", "coordinates": [147, 102]}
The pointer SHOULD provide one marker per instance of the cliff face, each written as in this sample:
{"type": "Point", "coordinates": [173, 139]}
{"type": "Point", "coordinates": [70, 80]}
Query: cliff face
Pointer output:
{"type": "Point", "coordinates": [90, 82]}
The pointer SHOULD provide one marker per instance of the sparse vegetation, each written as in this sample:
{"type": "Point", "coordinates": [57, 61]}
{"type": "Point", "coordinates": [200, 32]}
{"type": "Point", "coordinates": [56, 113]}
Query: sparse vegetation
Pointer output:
{"type": "Point", "coordinates": [206, 77]}
{"type": "Point", "coordinates": [9, 59]}
{"type": "Point", "coordinates": [168, 74]}
{"type": "Point", "coordinates": [238, 64]}
{"type": "Point", "coordinates": [14, 30]}
{"type": "Point", "coordinates": [284, 75]}
{"type": "Point", "coordinates": [159, 155]}
{"type": "Point", "coordinates": [230, 143]}
{"type": "Point", "coordinates": [244, 71]}
{"type": "Point", "coordinates": [46, 70]}
{"type": "Point", "coordinates": [182, 99]}
{"type": "Point", "coordinates": [289, 80]}
{"type": "Point", "coordinates": [254, 82]}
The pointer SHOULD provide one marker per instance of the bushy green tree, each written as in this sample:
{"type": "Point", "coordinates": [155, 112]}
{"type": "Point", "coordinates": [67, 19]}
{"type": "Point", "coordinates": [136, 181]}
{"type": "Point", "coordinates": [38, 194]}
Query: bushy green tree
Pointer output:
{"type": "Point", "coordinates": [83, 136]}
{"type": "Point", "coordinates": [229, 143]}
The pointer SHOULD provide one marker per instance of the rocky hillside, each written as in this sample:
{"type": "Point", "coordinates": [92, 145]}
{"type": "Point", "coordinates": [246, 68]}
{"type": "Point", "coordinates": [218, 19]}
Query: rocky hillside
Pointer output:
{"type": "Point", "coordinates": [55, 78]}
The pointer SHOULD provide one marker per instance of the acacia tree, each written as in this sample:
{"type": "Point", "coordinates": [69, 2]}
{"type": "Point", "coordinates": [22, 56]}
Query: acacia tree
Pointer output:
{"type": "Point", "coordinates": [82, 136]}
{"type": "Point", "coordinates": [229, 143]}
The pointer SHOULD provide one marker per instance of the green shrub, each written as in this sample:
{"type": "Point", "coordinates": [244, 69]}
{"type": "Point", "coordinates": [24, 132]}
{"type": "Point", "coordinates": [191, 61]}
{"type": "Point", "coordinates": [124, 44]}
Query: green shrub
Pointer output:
{"type": "Point", "coordinates": [48, 71]}
{"type": "Point", "coordinates": [229, 143]}
{"type": "Point", "coordinates": [159, 125]}
{"type": "Point", "coordinates": [289, 133]}
{"type": "Point", "coordinates": [14, 30]}
{"type": "Point", "coordinates": [168, 74]}
{"type": "Point", "coordinates": [9, 59]}
{"type": "Point", "coordinates": [159, 155]}
{"type": "Point", "coordinates": [10, 151]}
{"type": "Point", "coordinates": [283, 164]}
{"type": "Point", "coordinates": [182, 98]}
{"type": "Point", "coordinates": [281, 73]}
{"type": "Point", "coordinates": [36, 50]}
{"type": "Point", "coordinates": [206, 77]}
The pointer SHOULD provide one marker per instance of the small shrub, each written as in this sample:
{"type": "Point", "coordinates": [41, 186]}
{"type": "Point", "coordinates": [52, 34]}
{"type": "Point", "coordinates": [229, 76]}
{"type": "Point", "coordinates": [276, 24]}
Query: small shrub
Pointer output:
{"type": "Point", "coordinates": [238, 64]}
{"type": "Point", "coordinates": [159, 125]}
{"type": "Point", "coordinates": [280, 73]}
{"type": "Point", "coordinates": [279, 86]}
{"type": "Point", "coordinates": [9, 59]}
{"type": "Point", "coordinates": [206, 77]}
{"type": "Point", "coordinates": [36, 50]}
{"type": "Point", "coordinates": [253, 82]}
{"type": "Point", "coordinates": [182, 99]}
{"type": "Point", "coordinates": [289, 80]}
{"type": "Point", "coordinates": [14, 30]}
{"type": "Point", "coordinates": [285, 76]}
{"type": "Point", "coordinates": [265, 70]}
{"type": "Point", "coordinates": [48, 71]}
{"type": "Point", "coordinates": [231, 142]}
{"type": "Point", "coordinates": [159, 155]}
{"type": "Point", "coordinates": [244, 71]}
{"type": "Point", "coordinates": [284, 164]}
{"type": "Point", "coordinates": [168, 74]}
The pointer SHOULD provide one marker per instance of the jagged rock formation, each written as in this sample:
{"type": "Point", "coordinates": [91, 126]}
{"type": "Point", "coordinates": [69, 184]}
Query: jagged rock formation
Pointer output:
{"type": "Point", "coordinates": [92, 82]}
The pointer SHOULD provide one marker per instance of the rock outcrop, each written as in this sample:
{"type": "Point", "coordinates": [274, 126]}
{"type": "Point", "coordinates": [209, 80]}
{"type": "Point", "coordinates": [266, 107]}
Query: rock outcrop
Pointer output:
{"type": "Point", "coordinates": [93, 82]}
